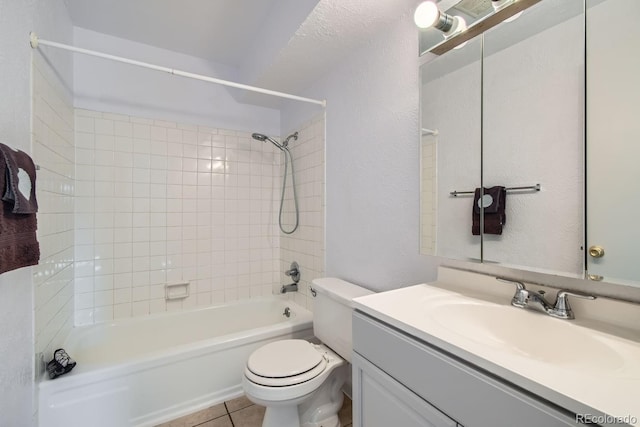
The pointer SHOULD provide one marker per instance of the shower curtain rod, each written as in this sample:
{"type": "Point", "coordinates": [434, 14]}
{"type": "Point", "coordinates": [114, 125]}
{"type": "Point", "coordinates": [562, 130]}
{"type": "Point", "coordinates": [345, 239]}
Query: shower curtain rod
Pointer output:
{"type": "Point", "coordinates": [35, 41]}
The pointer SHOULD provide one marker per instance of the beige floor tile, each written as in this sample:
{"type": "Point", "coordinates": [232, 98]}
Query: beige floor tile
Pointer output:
{"type": "Point", "coordinates": [248, 417]}
{"type": "Point", "coordinates": [237, 404]}
{"type": "Point", "coordinates": [218, 422]}
{"type": "Point", "coordinates": [345, 414]}
{"type": "Point", "coordinates": [205, 415]}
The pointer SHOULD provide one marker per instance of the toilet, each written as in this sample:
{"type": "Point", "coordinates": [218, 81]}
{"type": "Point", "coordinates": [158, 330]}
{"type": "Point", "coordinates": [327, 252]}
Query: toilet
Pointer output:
{"type": "Point", "coordinates": [300, 383]}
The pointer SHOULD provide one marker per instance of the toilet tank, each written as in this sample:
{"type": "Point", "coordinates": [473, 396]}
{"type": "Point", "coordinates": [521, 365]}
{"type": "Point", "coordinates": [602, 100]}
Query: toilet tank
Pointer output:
{"type": "Point", "coordinates": [332, 310]}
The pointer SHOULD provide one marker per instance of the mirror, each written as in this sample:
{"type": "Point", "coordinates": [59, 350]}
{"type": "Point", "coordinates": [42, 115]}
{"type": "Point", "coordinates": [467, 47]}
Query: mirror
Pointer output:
{"type": "Point", "coordinates": [517, 92]}
{"type": "Point", "coordinates": [533, 133]}
{"type": "Point", "coordinates": [613, 129]}
{"type": "Point", "coordinates": [510, 104]}
{"type": "Point", "coordinates": [451, 156]}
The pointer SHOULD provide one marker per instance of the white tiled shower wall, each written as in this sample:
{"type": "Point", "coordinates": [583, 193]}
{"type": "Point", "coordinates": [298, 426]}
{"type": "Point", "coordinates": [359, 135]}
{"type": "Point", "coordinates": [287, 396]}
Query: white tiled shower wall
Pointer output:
{"type": "Point", "coordinates": [160, 202]}
{"type": "Point", "coordinates": [53, 151]}
{"type": "Point", "coordinates": [306, 244]}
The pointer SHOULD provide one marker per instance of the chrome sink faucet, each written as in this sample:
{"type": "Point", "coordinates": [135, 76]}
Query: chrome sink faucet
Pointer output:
{"type": "Point", "coordinates": [523, 298]}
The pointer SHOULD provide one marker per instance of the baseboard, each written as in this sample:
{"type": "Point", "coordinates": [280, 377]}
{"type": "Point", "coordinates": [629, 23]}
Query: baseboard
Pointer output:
{"type": "Point", "coordinates": [189, 407]}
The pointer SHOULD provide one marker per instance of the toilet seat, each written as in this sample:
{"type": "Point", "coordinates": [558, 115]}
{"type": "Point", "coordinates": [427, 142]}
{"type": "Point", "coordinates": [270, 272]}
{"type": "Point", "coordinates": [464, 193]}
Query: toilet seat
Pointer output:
{"type": "Point", "coordinates": [285, 363]}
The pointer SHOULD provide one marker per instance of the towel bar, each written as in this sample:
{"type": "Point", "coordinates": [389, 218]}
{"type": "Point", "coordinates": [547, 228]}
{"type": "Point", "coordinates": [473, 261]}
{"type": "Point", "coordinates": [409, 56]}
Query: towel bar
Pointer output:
{"type": "Point", "coordinates": [528, 187]}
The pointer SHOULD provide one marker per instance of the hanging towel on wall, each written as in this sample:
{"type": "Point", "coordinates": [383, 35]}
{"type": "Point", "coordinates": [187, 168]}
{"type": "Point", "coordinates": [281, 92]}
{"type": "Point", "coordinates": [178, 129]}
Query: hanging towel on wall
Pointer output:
{"type": "Point", "coordinates": [18, 224]}
{"type": "Point", "coordinates": [493, 201]}
{"type": "Point", "coordinates": [20, 188]}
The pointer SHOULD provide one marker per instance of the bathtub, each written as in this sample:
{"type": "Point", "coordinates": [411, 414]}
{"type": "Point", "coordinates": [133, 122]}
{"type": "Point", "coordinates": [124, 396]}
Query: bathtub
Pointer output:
{"type": "Point", "coordinates": [145, 371]}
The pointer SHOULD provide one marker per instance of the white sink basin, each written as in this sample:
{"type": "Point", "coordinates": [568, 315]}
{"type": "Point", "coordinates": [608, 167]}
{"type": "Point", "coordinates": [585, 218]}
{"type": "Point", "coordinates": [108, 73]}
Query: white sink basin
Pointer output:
{"type": "Point", "coordinates": [527, 333]}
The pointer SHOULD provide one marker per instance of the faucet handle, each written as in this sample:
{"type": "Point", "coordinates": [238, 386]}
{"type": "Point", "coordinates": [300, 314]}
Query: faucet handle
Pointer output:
{"type": "Point", "coordinates": [562, 309]}
{"type": "Point", "coordinates": [294, 272]}
{"type": "Point", "coordinates": [522, 294]}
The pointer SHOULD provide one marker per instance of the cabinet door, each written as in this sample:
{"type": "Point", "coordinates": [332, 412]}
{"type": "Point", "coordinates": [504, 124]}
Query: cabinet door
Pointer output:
{"type": "Point", "coordinates": [380, 401]}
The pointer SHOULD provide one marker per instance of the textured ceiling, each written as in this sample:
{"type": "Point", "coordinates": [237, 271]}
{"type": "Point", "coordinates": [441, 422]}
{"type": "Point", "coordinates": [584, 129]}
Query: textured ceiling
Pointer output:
{"type": "Point", "coordinates": [219, 30]}
{"type": "Point", "coordinates": [277, 44]}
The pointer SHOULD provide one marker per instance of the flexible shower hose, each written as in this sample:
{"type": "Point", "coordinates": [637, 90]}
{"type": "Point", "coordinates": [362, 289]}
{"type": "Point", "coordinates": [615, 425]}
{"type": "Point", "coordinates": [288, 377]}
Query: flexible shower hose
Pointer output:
{"type": "Point", "coordinates": [295, 196]}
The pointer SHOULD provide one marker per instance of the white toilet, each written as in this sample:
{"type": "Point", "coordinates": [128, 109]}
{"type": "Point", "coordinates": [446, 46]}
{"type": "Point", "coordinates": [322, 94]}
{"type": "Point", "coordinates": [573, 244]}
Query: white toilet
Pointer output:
{"type": "Point", "coordinates": [300, 383]}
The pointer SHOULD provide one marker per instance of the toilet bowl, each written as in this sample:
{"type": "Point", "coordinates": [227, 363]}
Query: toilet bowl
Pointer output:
{"type": "Point", "coordinates": [300, 383]}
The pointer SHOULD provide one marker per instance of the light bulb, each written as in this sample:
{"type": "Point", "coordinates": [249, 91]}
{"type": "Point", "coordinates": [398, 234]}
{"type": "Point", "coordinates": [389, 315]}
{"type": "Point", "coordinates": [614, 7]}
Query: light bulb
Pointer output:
{"type": "Point", "coordinates": [426, 14]}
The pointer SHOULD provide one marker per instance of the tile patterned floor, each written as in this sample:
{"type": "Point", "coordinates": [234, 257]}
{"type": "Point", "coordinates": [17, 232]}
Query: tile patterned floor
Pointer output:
{"type": "Point", "coordinates": [240, 412]}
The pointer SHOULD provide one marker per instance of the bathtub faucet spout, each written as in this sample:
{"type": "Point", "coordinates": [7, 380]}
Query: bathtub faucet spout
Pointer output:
{"type": "Point", "coordinates": [289, 288]}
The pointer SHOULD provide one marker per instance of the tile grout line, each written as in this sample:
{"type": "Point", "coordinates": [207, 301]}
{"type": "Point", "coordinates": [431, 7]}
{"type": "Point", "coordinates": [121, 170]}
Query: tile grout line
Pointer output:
{"type": "Point", "coordinates": [228, 414]}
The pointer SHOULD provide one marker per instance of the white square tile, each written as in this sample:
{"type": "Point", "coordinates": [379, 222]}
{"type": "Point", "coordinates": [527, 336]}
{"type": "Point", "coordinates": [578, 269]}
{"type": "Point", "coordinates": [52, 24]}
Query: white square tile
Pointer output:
{"type": "Point", "coordinates": [123, 129]}
{"type": "Point", "coordinates": [123, 144]}
{"type": "Point", "coordinates": [122, 296]}
{"type": "Point", "coordinates": [141, 146]}
{"type": "Point", "coordinates": [105, 142]}
{"type": "Point", "coordinates": [103, 314]}
{"type": "Point", "coordinates": [158, 133]}
{"type": "Point", "coordinates": [103, 298]}
{"type": "Point", "coordinates": [83, 317]}
{"type": "Point", "coordinates": [174, 163]}
{"type": "Point", "coordinates": [104, 126]}
{"type": "Point", "coordinates": [157, 306]}
{"type": "Point", "coordinates": [122, 311]}
{"type": "Point", "coordinates": [83, 285]}
{"type": "Point", "coordinates": [84, 124]}
{"type": "Point", "coordinates": [174, 135]}
{"type": "Point", "coordinates": [140, 308]}
{"type": "Point", "coordinates": [140, 293]}
{"type": "Point", "coordinates": [141, 131]}
{"type": "Point", "coordinates": [190, 151]}
{"type": "Point", "coordinates": [84, 301]}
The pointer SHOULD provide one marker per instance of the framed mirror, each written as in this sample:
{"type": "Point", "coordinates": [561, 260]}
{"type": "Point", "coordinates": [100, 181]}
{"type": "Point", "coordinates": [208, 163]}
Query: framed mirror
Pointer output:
{"type": "Point", "coordinates": [513, 108]}
{"type": "Point", "coordinates": [508, 111]}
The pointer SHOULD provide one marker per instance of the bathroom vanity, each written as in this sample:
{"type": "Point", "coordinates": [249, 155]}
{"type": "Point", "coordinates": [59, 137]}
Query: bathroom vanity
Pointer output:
{"type": "Point", "coordinates": [449, 355]}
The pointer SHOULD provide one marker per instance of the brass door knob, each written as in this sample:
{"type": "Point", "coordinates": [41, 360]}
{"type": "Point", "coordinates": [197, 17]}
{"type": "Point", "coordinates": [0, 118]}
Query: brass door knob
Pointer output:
{"type": "Point", "coordinates": [596, 251]}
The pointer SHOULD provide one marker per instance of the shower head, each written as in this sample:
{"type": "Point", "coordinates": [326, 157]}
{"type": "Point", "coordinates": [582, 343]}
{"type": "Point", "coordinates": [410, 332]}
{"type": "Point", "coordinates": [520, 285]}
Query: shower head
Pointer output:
{"type": "Point", "coordinates": [259, 137]}
{"type": "Point", "coordinates": [263, 138]}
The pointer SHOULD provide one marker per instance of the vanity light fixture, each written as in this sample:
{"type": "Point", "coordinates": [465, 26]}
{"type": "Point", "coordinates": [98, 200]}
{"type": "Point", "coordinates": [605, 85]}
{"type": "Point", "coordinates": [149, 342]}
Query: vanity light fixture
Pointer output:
{"type": "Point", "coordinates": [428, 15]}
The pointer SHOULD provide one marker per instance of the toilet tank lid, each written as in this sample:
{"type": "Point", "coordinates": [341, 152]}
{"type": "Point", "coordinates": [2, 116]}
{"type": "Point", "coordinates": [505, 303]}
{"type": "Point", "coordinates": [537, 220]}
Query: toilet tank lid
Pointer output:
{"type": "Point", "coordinates": [339, 289]}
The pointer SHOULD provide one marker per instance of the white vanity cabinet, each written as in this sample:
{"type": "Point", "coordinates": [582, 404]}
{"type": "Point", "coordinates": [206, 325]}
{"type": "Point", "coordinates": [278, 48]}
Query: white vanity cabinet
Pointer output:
{"type": "Point", "coordinates": [399, 380]}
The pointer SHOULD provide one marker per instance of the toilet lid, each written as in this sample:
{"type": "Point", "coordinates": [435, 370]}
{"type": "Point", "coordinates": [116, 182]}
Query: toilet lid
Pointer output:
{"type": "Point", "coordinates": [286, 358]}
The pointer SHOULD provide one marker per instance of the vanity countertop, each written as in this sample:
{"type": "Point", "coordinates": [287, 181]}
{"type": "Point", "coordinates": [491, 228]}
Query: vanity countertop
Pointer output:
{"type": "Point", "coordinates": [583, 365]}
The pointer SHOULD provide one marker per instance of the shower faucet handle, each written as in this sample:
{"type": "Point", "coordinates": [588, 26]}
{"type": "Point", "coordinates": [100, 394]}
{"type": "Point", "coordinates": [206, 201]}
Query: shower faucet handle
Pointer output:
{"type": "Point", "coordinates": [294, 272]}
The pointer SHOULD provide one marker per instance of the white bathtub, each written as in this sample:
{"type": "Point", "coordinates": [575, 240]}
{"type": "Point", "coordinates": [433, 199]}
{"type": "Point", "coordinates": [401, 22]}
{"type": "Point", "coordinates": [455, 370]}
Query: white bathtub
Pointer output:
{"type": "Point", "coordinates": [145, 371]}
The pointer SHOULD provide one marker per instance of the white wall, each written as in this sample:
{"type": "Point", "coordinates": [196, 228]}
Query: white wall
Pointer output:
{"type": "Point", "coordinates": [17, 19]}
{"type": "Point", "coordinates": [373, 167]}
{"type": "Point", "coordinates": [113, 87]}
